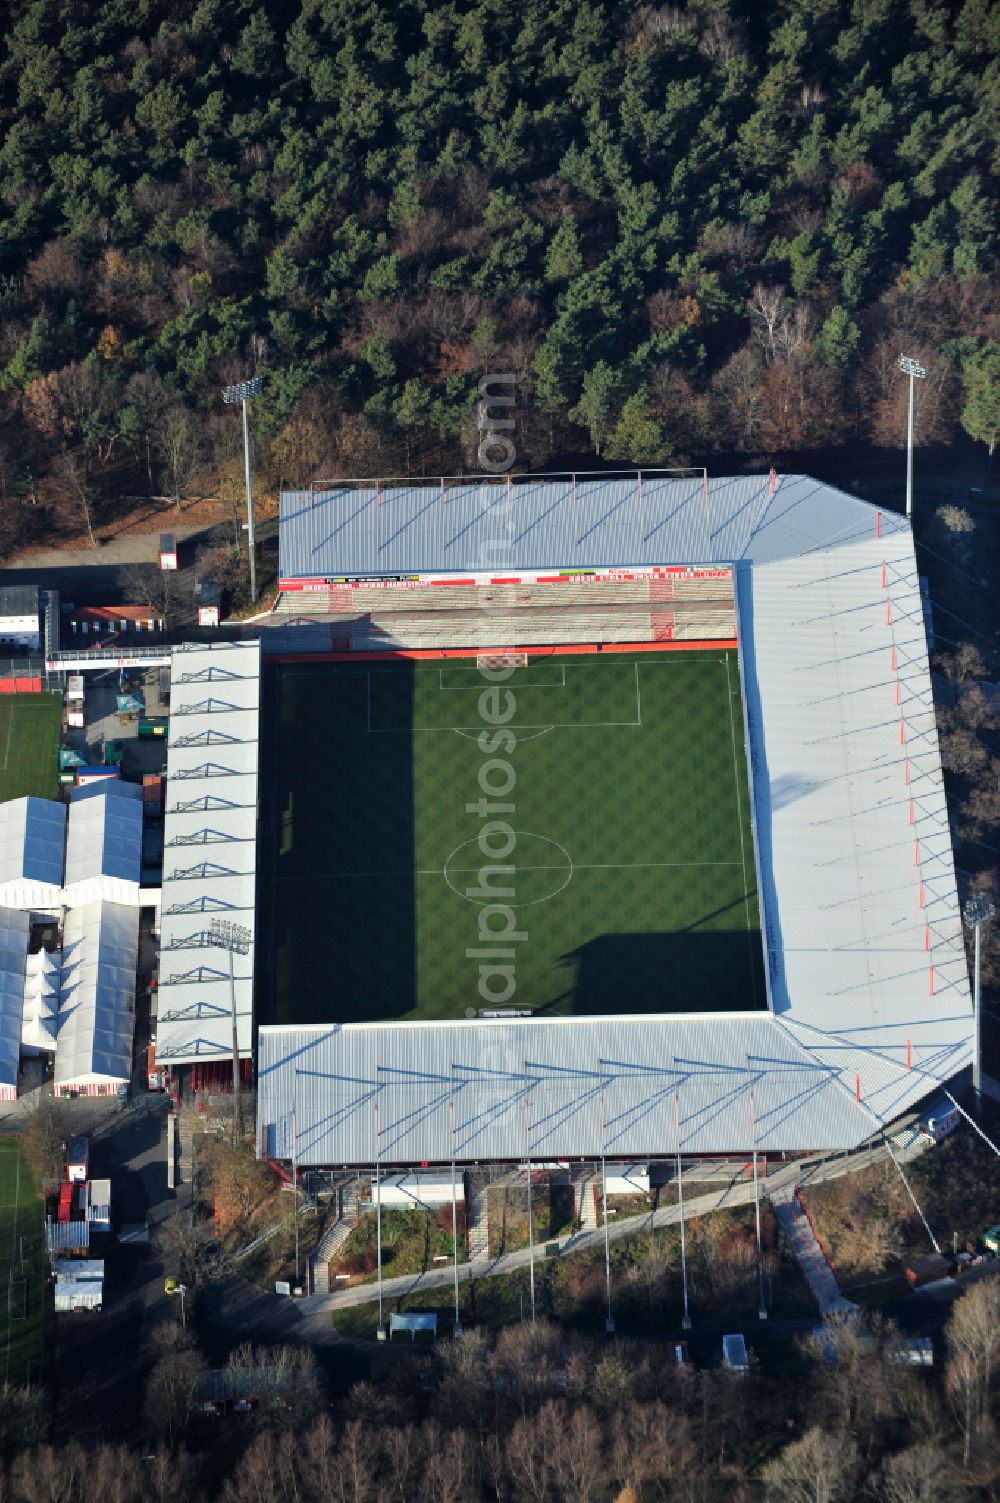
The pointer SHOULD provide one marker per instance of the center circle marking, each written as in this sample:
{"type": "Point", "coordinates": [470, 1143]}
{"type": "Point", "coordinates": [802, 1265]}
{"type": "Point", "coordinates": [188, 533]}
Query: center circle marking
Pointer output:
{"type": "Point", "coordinates": [562, 873]}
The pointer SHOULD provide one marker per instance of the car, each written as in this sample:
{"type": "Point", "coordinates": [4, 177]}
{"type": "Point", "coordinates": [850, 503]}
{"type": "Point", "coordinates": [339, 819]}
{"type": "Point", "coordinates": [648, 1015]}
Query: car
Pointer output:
{"type": "Point", "coordinates": [170, 1286]}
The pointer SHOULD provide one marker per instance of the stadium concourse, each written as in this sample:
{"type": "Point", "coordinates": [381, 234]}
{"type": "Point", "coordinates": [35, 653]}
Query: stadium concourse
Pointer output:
{"type": "Point", "coordinates": [868, 1006]}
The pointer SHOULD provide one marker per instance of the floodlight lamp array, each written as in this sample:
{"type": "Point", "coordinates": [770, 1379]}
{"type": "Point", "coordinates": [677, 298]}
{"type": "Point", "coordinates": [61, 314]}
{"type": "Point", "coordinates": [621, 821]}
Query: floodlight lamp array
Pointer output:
{"type": "Point", "coordinates": [243, 390]}
{"type": "Point", "coordinates": [912, 367]}
{"type": "Point", "coordinates": [229, 936]}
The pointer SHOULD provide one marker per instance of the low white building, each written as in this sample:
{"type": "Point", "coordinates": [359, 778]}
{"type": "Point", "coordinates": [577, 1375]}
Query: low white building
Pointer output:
{"type": "Point", "coordinates": [19, 617]}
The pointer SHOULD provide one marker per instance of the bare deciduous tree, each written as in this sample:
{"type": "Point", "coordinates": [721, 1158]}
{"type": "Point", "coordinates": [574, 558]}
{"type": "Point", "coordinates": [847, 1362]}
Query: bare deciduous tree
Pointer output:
{"type": "Point", "coordinates": [819, 1468]}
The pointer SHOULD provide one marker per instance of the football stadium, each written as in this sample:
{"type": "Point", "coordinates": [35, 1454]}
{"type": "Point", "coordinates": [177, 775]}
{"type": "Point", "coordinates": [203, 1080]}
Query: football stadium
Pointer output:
{"type": "Point", "coordinates": [568, 815]}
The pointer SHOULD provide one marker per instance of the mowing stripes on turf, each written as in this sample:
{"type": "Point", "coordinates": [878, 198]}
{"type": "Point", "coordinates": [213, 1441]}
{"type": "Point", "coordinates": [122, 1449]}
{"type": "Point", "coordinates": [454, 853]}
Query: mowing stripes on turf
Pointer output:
{"type": "Point", "coordinates": [628, 811]}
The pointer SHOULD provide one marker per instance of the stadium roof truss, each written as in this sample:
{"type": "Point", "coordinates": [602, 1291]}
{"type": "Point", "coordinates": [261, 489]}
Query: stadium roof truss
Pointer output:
{"type": "Point", "coordinates": [195, 1017]}
{"type": "Point", "coordinates": [869, 1003]}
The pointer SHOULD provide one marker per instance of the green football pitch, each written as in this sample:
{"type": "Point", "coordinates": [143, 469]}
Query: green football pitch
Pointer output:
{"type": "Point", "coordinates": [24, 1306]}
{"type": "Point", "coordinates": [605, 824]}
{"type": "Point", "coordinates": [29, 745]}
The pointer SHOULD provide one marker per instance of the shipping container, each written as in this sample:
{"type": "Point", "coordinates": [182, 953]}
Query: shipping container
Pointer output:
{"type": "Point", "coordinates": [87, 1294]}
{"type": "Point", "coordinates": [208, 599]}
{"type": "Point", "coordinates": [77, 1159]}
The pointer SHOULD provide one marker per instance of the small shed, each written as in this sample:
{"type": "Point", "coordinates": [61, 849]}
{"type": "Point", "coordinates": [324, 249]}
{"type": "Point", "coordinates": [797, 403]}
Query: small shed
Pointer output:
{"type": "Point", "coordinates": [734, 1353]}
{"type": "Point", "coordinates": [168, 551]}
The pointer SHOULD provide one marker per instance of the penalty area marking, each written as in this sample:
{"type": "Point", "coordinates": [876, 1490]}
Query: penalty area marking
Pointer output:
{"type": "Point", "coordinates": [520, 683]}
{"type": "Point", "coordinates": [472, 731]}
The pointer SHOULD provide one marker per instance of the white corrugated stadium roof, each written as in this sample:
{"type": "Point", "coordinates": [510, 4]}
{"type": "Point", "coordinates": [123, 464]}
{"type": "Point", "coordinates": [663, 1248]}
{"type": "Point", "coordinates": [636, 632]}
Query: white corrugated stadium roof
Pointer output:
{"type": "Point", "coordinates": [97, 994]}
{"type": "Point", "coordinates": [586, 522]}
{"type": "Point", "coordinates": [209, 849]}
{"type": "Point", "coordinates": [867, 975]}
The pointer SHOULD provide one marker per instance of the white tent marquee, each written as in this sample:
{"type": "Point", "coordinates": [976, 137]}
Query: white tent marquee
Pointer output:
{"type": "Point", "coordinates": [97, 997]}
{"type": "Point", "coordinates": [104, 843]}
{"type": "Point", "coordinates": [32, 838]}
{"type": "Point", "coordinates": [13, 952]}
{"type": "Point", "coordinates": [43, 974]}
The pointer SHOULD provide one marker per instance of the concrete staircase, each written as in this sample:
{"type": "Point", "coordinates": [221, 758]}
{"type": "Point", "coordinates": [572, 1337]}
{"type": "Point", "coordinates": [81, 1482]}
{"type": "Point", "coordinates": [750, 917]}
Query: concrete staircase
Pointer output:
{"type": "Point", "coordinates": [585, 1200]}
{"type": "Point", "coordinates": [477, 1219]}
{"type": "Point", "coordinates": [808, 1250]}
{"type": "Point", "coordinates": [336, 1234]}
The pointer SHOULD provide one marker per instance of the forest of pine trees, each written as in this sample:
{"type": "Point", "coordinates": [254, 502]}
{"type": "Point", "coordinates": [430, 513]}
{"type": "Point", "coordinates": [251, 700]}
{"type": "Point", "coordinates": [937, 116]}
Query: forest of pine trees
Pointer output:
{"type": "Point", "coordinates": [688, 231]}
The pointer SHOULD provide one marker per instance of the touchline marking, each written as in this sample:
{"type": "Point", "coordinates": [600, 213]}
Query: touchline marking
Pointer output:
{"type": "Point", "coordinates": [638, 696]}
{"type": "Point", "coordinates": [739, 811]}
{"type": "Point", "coordinates": [10, 727]}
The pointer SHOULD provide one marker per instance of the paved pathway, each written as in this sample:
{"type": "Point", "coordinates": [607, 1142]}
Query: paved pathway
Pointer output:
{"type": "Point", "coordinates": [740, 1193]}
{"type": "Point", "coordinates": [808, 1250]}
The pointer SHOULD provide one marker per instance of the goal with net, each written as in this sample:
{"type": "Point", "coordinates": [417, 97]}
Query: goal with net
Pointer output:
{"type": "Point", "coordinates": [495, 662]}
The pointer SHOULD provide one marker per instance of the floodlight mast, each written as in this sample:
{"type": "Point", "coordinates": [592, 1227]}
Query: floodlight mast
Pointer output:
{"type": "Point", "coordinates": [236, 939]}
{"type": "Point", "coordinates": [978, 911]}
{"type": "Point", "coordinates": [242, 392]}
{"type": "Point", "coordinates": [913, 369]}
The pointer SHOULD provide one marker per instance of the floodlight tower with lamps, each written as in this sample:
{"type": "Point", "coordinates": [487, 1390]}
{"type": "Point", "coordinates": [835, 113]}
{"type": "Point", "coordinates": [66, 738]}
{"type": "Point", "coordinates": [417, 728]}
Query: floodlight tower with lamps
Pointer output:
{"type": "Point", "coordinates": [913, 369]}
{"type": "Point", "coordinates": [977, 912]}
{"type": "Point", "coordinates": [242, 392]}
{"type": "Point", "coordinates": [236, 939]}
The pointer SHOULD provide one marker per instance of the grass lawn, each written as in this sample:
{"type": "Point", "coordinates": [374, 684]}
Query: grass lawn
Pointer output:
{"type": "Point", "coordinates": [29, 745]}
{"type": "Point", "coordinates": [411, 1241]}
{"type": "Point", "coordinates": [646, 1285]}
{"type": "Point", "coordinates": [631, 871]}
{"type": "Point", "coordinates": [24, 1299]}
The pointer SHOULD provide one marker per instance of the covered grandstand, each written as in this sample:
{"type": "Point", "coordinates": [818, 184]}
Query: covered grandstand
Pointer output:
{"type": "Point", "coordinates": [867, 988]}
{"type": "Point", "coordinates": [209, 852]}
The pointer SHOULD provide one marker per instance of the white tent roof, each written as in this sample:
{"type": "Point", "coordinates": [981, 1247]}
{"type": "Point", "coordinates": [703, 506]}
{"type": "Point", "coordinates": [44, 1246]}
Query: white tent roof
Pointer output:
{"type": "Point", "coordinates": [209, 849]}
{"type": "Point", "coordinates": [32, 835]}
{"type": "Point", "coordinates": [104, 843]}
{"type": "Point", "coordinates": [13, 952]}
{"type": "Point", "coordinates": [97, 996]}
{"type": "Point", "coordinates": [43, 974]}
